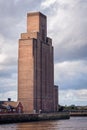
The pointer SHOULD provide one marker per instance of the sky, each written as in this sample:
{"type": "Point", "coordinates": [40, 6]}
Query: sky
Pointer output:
{"type": "Point", "coordinates": [67, 26]}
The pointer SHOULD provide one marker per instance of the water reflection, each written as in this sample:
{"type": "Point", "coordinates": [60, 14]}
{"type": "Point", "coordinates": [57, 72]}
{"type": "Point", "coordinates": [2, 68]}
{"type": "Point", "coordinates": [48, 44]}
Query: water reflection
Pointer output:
{"type": "Point", "coordinates": [43, 125]}
{"type": "Point", "coordinates": [75, 123]}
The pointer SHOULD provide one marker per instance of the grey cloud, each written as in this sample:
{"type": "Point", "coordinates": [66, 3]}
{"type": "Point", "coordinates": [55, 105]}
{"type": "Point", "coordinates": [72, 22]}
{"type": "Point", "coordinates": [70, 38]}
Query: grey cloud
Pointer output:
{"type": "Point", "coordinates": [79, 82]}
{"type": "Point", "coordinates": [7, 86]}
{"type": "Point", "coordinates": [9, 61]}
{"type": "Point", "coordinates": [5, 74]}
{"type": "Point", "coordinates": [74, 53]}
{"type": "Point", "coordinates": [12, 15]}
{"type": "Point", "coordinates": [67, 25]}
{"type": "Point", "coordinates": [71, 75]}
{"type": "Point", "coordinates": [68, 29]}
{"type": "Point", "coordinates": [9, 69]}
{"type": "Point", "coordinates": [8, 80]}
{"type": "Point", "coordinates": [8, 94]}
{"type": "Point", "coordinates": [50, 10]}
{"type": "Point", "coordinates": [77, 97]}
{"type": "Point", "coordinates": [17, 8]}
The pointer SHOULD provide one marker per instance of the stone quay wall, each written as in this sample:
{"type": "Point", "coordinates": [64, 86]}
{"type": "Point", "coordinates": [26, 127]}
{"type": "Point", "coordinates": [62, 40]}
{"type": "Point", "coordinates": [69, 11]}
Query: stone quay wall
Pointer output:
{"type": "Point", "coordinates": [15, 118]}
{"type": "Point", "coordinates": [83, 113]}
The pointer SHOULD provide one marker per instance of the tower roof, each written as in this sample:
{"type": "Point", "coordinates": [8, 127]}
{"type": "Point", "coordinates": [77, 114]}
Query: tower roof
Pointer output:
{"type": "Point", "coordinates": [35, 13]}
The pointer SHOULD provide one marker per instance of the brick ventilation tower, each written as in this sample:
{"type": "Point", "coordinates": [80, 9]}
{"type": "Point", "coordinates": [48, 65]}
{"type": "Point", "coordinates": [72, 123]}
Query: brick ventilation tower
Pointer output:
{"type": "Point", "coordinates": [36, 90]}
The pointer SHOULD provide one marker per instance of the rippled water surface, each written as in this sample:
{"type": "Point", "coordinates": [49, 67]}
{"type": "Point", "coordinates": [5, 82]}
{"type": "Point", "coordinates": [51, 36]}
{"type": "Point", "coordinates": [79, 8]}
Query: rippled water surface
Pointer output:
{"type": "Point", "coordinates": [74, 123]}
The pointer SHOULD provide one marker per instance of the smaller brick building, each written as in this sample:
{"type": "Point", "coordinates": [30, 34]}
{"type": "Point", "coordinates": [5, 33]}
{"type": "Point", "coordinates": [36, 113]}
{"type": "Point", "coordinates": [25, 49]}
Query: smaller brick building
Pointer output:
{"type": "Point", "coordinates": [11, 107]}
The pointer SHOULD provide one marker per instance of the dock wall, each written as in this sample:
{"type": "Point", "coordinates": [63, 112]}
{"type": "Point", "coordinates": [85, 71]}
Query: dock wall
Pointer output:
{"type": "Point", "coordinates": [78, 113]}
{"type": "Point", "coordinates": [15, 118]}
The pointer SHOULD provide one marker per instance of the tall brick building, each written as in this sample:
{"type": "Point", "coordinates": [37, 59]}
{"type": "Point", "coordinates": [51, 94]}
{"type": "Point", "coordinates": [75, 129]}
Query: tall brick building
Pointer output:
{"type": "Point", "coordinates": [36, 90]}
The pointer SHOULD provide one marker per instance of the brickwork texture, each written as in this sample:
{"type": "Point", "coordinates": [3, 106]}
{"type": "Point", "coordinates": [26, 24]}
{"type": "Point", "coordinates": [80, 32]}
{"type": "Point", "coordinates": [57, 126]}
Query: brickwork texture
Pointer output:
{"type": "Point", "coordinates": [36, 90]}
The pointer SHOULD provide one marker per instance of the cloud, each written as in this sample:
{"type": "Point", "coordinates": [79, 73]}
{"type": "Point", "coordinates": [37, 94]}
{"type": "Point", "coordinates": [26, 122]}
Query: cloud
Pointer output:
{"type": "Point", "coordinates": [71, 75]}
{"type": "Point", "coordinates": [67, 25]}
{"type": "Point", "coordinates": [2, 57]}
{"type": "Point", "coordinates": [13, 22]}
{"type": "Point", "coordinates": [11, 94]}
{"type": "Point", "coordinates": [77, 97]}
{"type": "Point", "coordinates": [47, 3]}
{"type": "Point", "coordinates": [8, 65]}
{"type": "Point", "coordinates": [13, 16]}
{"type": "Point", "coordinates": [8, 79]}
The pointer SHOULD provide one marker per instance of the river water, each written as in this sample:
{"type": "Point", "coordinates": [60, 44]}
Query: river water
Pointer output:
{"type": "Point", "coordinates": [74, 123]}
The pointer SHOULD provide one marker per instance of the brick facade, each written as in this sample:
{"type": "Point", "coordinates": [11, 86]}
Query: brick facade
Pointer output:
{"type": "Point", "coordinates": [36, 88]}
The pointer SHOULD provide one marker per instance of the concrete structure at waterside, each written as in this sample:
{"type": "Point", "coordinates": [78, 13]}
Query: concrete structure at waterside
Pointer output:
{"type": "Point", "coordinates": [36, 89]}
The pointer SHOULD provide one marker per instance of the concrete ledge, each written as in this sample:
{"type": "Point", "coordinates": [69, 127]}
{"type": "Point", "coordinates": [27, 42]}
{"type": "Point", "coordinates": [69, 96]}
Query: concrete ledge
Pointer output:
{"type": "Point", "coordinates": [78, 113]}
{"type": "Point", "coordinates": [54, 116]}
{"type": "Point", "coordinates": [15, 118]}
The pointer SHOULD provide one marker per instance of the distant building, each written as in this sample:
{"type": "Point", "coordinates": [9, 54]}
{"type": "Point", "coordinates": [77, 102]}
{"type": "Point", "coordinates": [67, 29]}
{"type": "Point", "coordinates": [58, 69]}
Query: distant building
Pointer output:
{"type": "Point", "coordinates": [36, 89]}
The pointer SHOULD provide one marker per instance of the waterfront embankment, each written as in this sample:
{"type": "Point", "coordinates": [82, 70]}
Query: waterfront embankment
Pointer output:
{"type": "Point", "coordinates": [83, 113]}
{"type": "Point", "coordinates": [15, 118]}
{"type": "Point", "coordinates": [54, 116]}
